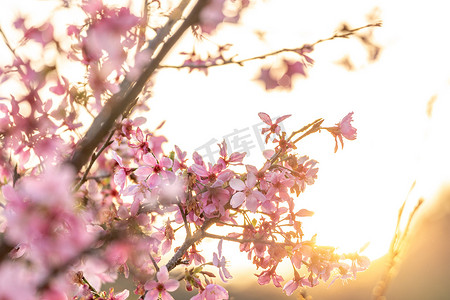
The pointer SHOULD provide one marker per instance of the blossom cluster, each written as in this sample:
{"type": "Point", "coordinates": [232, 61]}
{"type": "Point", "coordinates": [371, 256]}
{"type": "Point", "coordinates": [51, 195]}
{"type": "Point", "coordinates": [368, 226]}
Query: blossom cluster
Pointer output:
{"type": "Point", "coordinates": [135, 209]}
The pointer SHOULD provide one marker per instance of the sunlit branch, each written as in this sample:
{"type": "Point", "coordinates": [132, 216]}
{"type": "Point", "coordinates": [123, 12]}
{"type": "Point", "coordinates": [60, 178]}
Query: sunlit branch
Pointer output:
{"type": "Point", "coordinates": [313, 127]}
{"type": "Point", "coordinates": [7, 43]}
{"type": "Point", "coordinates": [346, 34]}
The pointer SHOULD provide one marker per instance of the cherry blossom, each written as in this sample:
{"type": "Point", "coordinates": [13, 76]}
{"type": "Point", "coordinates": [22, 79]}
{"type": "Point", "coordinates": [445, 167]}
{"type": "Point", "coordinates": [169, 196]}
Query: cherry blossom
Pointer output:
{"type": "Point", "coordinates": [212, 15]}
{"type": "Point", "coordinates": [83, 204]}
{"type": "Point", "coordinates": [343, 129]}
{"type": "Point", "coordinates": [161, 287]}
{"type": "Point", "coordinates": [274, 128]}
{"type": "Point", "coordinates": [154, 170]}
{"type": "Point", "coordinates": [253, 198]}
{"type": "Point", "coordinates": [219, 262]}
{"type": "Point", "coordinates": [212, 291]}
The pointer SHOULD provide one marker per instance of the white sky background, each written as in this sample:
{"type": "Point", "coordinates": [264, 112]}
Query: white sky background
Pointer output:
{"type": "Point", "coordinates": [360, 188]}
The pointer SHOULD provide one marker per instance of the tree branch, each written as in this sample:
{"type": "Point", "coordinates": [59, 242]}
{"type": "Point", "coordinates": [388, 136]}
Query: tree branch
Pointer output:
{"type": "Point", "coordinates": [188, 242]}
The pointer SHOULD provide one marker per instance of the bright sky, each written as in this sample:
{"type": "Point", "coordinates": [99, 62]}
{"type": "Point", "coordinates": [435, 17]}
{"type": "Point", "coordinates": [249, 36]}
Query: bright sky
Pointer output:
{"type": "Point", "coordinates": [359, 189]}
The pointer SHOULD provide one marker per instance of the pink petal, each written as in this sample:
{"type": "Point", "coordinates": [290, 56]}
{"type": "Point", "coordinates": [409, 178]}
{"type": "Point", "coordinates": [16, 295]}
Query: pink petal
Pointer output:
{"type": "Point", "coordinates": [166, 246]}
{"type": "Point", "coordinates": [171, 285]}
{"type": "Point", "coordinates": [152, 294]}
{"type": "Point", "coordinates": [122, 295]}
{"type": "Point", "coordinates": [150, 285]}
{"type": "Point", "coordinates": [265, 117]}
{"type": "Point", "coordinates": [237, 199]}
{"type": "Point", "coordinates": [143, 171]}
{"type": "Point", "coordinates": [304, 213]}
{"type": "Point", "coordinates": [162, 275]}
{"type": "Point", "coordinates": [199, 170]}
{"type": "Point", "coordinates": [252, 203]}
{"type": "Point", "coordinates": [9, 193]}
{"type": "Point", "coordinates": [166, 296]}
{"type": "Point", "coordinates": [251, 180]}
{"type": "Point", "coordinates": [237, 184]}
{"type": "Point", "coordinates": [268, 153]}
{"type": "Point", "coordinates": [120, 178]}
{"type": "Point", "coordinates": [149, 159]}
{"type": "Point", "coordinates": [219, 247]}
{"type": "Point", "coordinates": [135, 207]}
{"type": "Point", "coordinates": [237, 157]}
{"type": "Point", "coordinates": [215, 259]}
{"type": "Point", "coordinates": [117, 158]}
{"type": "Point", "coordinates": [282, 118]}
{"type": "Point", "coordinates": [166, 162]}
{"type": "Point", "coordinates": [290, 287]}
{"type": "Point", "coordinates": [139, 135]}
{"type": "Point", "coordinates": [154, 180]}
{"type": "Point", "coordinates": [258, 195]}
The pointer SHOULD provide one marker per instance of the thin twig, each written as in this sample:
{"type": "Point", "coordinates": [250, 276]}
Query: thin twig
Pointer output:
{"type": "Point", "coordinates": [266, 55]}
{"type": "Point", "coordinates": [7, 43]}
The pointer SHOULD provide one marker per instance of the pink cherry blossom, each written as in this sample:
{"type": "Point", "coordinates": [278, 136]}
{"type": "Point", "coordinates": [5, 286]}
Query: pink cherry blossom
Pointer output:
{"type": "Point", "coordinates": [292, 285]}
{"type": "Point", "coordinates": [273, 127]}
{"type": "Point", "coordinates": [212, 292]}
{"type": "Point", "coordinates": [161, 287]}
{"type": "Point", "coordinates": [120, 296]}
{"type": "Point", "coordinates": [343, 129]}
{"type": "Point", "coordinates": [280, 185]}
{"type": "Point", "coordinates": [246, 193]}
{"type": "Point", "coordinates": [304, 172]}
{"type": "Point", "coordinates": [211, 16]}
{"type": "Point", "coordinates": [120, 176]}
{"type": "Point", "coordinates": [266, 276]}
{"type": "Point", "coordinates": [154, 170]}
{"type": "Point", "coordinates": [219, 261]}
{"type": "Point", "coordinates": [270, 82]}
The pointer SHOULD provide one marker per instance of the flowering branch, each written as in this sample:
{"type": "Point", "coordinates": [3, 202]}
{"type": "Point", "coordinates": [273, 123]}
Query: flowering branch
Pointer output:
{"type": "Point", "coordinates": [307, 47]}
{"type": "Point", "coordinates": [121, 101]}
{"type": "Point", "coordinates": [125, 222]}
